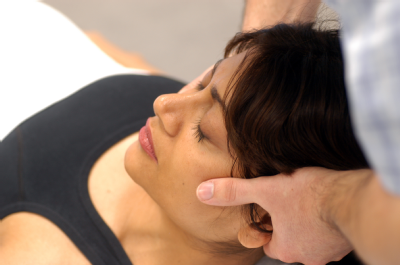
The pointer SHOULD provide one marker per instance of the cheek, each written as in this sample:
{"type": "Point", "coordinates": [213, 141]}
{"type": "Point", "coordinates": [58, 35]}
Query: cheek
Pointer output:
{"type": "Point", "coordinates": [210, 223]}
{"type": "Point", "coordinates": [178, 181]}
{"type": "Point", "coordinates": [191, 163]}
{"type": "Point", "coordinates": [173, 182]}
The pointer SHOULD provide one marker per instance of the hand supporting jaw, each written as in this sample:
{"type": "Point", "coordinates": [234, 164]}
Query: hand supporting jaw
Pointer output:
{"type": "Point", "coordinates": [296, 204]}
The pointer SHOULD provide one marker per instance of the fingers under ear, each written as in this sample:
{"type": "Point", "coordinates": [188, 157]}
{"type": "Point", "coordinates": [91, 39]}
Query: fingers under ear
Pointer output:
{"type": "Point", "coordinates": [250, 237]}
{"type": "Point", "coordinates": [269, 250]}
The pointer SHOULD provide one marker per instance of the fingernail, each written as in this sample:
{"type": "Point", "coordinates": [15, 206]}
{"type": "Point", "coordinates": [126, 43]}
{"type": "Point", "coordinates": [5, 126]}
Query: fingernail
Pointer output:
{"type": "Point", "coordinates": [205, 191]}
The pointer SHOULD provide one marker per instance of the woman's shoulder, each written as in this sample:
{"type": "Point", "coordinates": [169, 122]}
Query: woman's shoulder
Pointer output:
{"type": "Point", "coordinates": [27, 238]}
{"type": "Point", "coordinates": [79, 124]}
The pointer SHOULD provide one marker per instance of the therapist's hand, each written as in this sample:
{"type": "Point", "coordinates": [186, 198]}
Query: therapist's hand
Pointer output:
{"type": "Point", "coordinates": [297, 204]}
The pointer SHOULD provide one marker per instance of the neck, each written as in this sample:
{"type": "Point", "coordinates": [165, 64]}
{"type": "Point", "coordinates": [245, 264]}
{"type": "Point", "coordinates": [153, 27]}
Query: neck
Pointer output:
{"type": "Point", "coordinates": [146, 233]}
{"type": "Point", "coordinates": [150, 237]}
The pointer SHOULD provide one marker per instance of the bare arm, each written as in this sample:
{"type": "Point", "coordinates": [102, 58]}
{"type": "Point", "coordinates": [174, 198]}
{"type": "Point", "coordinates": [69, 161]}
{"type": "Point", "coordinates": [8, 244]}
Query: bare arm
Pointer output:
{"type": "Point", "coordinates": [367, 215]}
{"type": "Point", "coordinates": [261, 13]}
{"type": "Point", "coordinates": [28, 238]}
{"type": "Point", "coordinates": [318, 215]}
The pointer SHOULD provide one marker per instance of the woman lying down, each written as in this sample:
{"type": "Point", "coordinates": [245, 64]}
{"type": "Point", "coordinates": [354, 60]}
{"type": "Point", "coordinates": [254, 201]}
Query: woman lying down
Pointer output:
{"type": "Point", "coordinates": [93, 179]}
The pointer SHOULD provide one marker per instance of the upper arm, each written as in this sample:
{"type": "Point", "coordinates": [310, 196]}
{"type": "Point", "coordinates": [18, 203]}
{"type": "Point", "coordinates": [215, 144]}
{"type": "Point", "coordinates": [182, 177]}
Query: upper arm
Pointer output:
{"type": "Point", "coordinates": [27, 238]}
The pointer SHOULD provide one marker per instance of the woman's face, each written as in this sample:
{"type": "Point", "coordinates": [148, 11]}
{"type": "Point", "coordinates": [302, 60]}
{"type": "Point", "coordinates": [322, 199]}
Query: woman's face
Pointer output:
{"type": "Point", "coordinates": [189, 140]}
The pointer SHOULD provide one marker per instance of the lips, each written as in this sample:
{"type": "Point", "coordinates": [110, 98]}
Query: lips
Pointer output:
{"type": "Point", "coordinates": [146, 140]}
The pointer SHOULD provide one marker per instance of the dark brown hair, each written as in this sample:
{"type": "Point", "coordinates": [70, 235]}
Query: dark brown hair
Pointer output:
{"type": "Point", "coordinates": [287, 106]}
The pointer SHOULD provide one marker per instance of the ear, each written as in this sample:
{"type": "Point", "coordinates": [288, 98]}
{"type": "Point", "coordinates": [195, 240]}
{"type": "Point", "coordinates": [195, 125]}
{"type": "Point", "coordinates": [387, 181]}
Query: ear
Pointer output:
{"type": "Point", "coordinates": [250, 237]}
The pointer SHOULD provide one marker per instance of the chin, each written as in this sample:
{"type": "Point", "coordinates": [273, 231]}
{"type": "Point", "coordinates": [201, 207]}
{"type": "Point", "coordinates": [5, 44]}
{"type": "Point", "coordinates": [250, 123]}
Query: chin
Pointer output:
{"type": "Point", "coordinates": [138, 165]}
{"type": "Point", "coordinates": [131, 159]}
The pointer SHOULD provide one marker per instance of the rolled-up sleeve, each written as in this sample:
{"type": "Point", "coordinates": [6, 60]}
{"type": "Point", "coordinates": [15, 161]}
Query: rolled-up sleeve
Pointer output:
{"type": "Point", "coordinates": [371, 47]}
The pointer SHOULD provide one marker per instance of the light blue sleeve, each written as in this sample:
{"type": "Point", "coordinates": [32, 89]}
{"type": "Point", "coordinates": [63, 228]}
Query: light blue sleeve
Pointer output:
{"type": "Point", "coordinates": [371, 47]}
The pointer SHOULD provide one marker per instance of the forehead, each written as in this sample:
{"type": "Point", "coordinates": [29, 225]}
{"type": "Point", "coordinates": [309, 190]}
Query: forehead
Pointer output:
{"type": "Point", "coordinates": [229, 64]}
{"type": "Point", "coordinates": [223, 72]}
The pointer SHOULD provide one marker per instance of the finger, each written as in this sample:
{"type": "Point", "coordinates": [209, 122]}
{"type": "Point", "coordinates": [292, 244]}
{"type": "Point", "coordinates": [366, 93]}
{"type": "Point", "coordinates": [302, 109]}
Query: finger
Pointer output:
{"type": "Point", "coordinates": [228, 192]}
{"type": "Point", "coordinates": [269, 249]}
{"type": "Point", "coordinates": [282, 252]}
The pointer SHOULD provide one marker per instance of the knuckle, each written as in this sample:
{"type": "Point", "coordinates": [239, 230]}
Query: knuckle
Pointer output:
{"type": "Point", "coordinates": [230, 191]}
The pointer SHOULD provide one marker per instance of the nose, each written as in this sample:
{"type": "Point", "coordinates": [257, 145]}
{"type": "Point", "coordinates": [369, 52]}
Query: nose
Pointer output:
{"type": "Point", "coordinates": [176, 110]}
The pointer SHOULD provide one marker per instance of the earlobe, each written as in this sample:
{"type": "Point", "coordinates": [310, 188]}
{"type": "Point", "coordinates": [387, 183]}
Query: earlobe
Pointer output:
{"type": "Point", "coordinates": [250, 237]}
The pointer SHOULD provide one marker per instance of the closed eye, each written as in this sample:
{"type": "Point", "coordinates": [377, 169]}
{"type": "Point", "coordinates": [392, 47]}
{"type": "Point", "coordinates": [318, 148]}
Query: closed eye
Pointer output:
{"type": "Point", "coordinates": [198, 134]}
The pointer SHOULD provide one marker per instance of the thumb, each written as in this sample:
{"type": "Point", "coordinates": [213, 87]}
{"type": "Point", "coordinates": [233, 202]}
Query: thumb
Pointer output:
{"type": "Point", "coordinates": [227, 191]}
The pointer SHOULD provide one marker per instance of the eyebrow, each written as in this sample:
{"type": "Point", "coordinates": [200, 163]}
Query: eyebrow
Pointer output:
{"type": "Point", "coordinates": [214, 90]}
{"type": "Point", "coordinates": [215, 67]}
{"type": "Point", "coordinates": [216, 97]}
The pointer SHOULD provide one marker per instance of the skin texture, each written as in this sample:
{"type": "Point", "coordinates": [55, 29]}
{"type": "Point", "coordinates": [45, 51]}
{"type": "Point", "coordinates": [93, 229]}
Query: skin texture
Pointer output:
{"type": "Point", "coordinates": [183, 163]}
{"type": "Point", "coordinates": [295, 203]}
{"type": "Point", "coordinates": [318, 215]}
{"type": "Point", "coordinates": [259, 14]}
{"type": "Point", "coordinates": [356, 201]}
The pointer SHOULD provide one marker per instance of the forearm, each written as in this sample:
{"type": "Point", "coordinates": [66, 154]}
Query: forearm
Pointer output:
{"type": "Point", "coordinates": [262, 13]}
{"type": "Point", "coordinates": [368, 216]}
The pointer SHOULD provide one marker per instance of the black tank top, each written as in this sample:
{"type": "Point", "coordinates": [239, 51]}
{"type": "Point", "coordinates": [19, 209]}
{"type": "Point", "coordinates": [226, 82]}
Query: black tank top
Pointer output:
{"type": "Point", "coordinates": [45, 162]}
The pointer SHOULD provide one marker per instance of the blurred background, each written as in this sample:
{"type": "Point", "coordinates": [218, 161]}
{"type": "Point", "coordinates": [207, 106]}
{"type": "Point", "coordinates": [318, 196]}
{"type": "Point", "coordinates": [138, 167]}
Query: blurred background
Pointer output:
{"type": "Point", "coordinates": [180, 37]}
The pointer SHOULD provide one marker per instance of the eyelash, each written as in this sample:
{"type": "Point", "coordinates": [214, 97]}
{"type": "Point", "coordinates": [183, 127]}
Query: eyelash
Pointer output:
{"type": "Point", "coordinates": [198, 134]}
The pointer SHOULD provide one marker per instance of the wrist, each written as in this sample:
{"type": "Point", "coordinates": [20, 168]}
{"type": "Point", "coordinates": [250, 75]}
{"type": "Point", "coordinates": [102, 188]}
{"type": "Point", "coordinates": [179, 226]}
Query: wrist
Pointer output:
{"type": "Point", "coordinates": [345, 192]}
